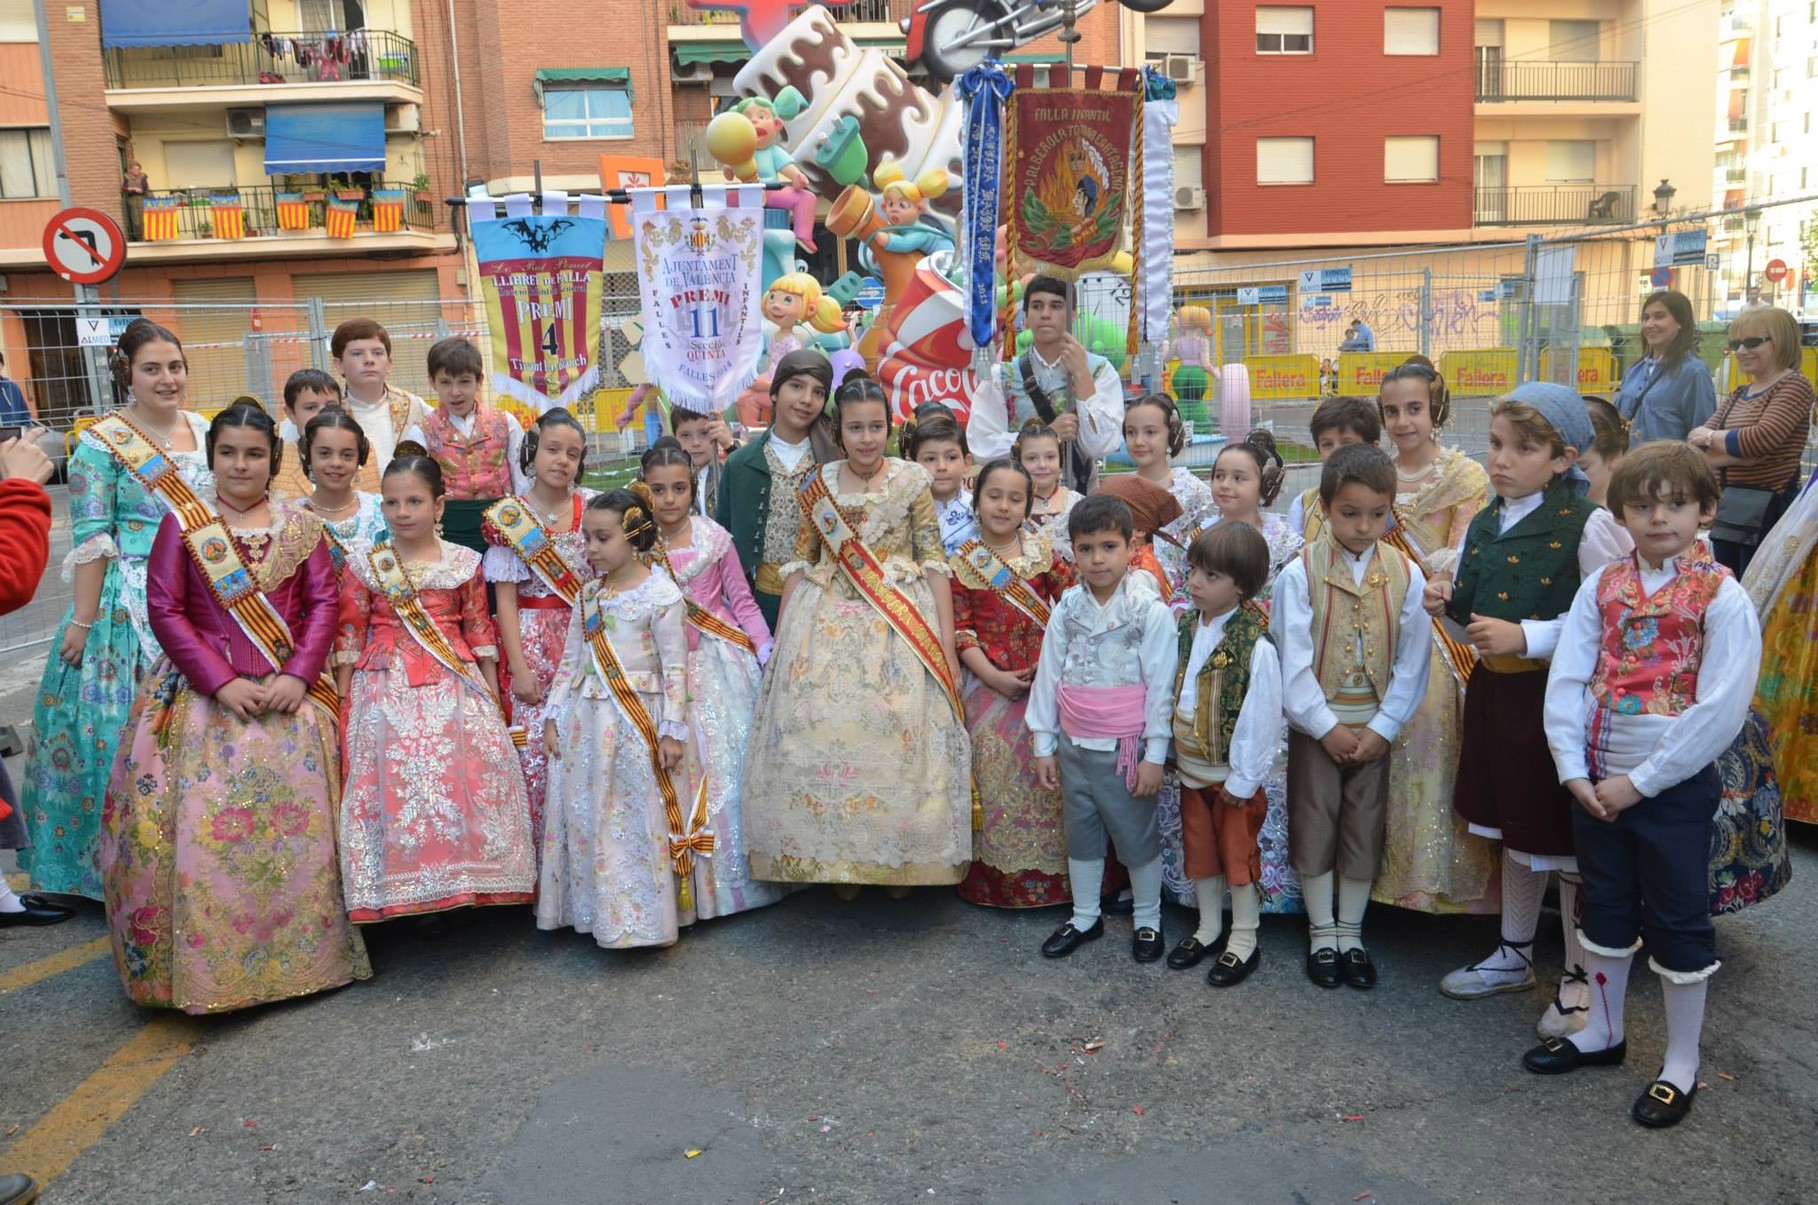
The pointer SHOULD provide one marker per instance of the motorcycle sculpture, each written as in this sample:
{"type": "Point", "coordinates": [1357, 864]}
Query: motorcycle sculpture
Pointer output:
{"type": "Point", "coordinates": [949, 37]}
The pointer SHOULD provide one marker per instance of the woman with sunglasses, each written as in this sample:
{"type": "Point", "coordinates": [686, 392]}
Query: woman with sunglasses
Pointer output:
{"type": "Point", "coordinates": [1758, 434]}
{"type": "Point", "coordinates": [1667, 392]}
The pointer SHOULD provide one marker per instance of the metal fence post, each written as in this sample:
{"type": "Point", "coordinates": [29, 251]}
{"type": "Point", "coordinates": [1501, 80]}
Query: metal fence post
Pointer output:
{"type": "Point", "coordinates": [1426, 312]}
{"type": "Point", "coordinates": [1527, 341]}
{"type": "Point", "coordinates": [318, 335]}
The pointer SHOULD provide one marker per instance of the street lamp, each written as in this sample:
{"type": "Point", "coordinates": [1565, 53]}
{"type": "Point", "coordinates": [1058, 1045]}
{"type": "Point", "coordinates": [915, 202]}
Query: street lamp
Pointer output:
{"type": "Point", "coordinates": [1751, 221]}
{"type": "Point", "coordinates": [1663, 199]}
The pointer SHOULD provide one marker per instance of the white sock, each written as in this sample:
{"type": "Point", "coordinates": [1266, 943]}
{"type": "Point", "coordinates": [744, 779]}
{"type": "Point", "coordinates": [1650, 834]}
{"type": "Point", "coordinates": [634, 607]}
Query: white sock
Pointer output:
{"type": "Point", "coordinates": [1353, 898]}
{"type": "Point", "coordinates": [1609, 985]}
{"type": "Point", "coordinates": [1322, 926]}
{"type": "Point", "coordinates": [1211, 895]}
{"type": "Point", "coordinates": [1246, 913]}
{"type": "Point", "coordinates": [1685, 1024]}
{"type": "Point", "coordinates": [1085, 876]}
{"type": "Point", "coordinates": [1522, 887]}
{"type": "Point", "coordinates": [1145, 893]}
{"type": "Point", "coordinates": [9, 899]}
{"type": "Point", "coordinates": [1574, 984]}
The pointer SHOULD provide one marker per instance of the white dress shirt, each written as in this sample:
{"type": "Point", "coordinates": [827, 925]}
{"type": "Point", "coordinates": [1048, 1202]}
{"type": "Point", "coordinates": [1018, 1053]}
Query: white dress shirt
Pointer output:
{"type": "Point", "coordinates": [1257, 736]}
{"type": "Point", "coordinates": [1130, 641]}
{"type": "Point", "coordinates": [790, 454]}
{"type": "Point", "coordinates": [991, 431]}
{"type": "Point", "coordinates": [1655, 751]}
{"type": "Point", "coordinates": [1291, 623]}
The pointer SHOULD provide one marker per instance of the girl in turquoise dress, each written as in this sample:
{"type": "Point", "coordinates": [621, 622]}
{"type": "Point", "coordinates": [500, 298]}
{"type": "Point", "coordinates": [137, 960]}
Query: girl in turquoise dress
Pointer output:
{"type": "Point", "coordinates": [105, 641]}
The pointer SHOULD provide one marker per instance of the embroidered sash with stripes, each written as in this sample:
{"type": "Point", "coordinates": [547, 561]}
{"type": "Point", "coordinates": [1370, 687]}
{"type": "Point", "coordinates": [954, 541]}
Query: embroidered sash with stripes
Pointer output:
{"type": "Point", "coordinates": [536, 547]}
{"type": "Point", "coordinates": [401, 593]}
{"type": "Point", "coordinates": [685, 839]}
{"type": "Point", "coordinates": [698, 615]}
{"type": "Point", "coordinates": [1001, 579]}
{"type": "Point", "coordinates": [860, 565]}
{"type": "Point", "coordinates": [206, 537]}
{"type": "Point", "coordinates": [1460, 658]}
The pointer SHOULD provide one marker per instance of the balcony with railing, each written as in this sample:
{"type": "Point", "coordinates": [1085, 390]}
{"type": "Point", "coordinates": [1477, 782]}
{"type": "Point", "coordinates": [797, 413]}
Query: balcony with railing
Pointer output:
{"type": "Point", "coordinates": [1556, 205]}
{"type": "Point", "coordinates": [362, 57]}
{"type": "Point", "coordinates": [198, 218]}
{"type": "Point", "coordinates": [1499, 81]}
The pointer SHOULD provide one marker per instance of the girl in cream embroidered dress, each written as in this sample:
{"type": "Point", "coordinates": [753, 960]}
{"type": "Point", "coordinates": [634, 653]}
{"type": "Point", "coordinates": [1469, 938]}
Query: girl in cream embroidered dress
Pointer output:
{"type": "Point", "coordinates": [858, 769]}
{"type": "Point", "coordinates": [1430, 863]}
{"type": "Point", "coordinates": [606, 866]}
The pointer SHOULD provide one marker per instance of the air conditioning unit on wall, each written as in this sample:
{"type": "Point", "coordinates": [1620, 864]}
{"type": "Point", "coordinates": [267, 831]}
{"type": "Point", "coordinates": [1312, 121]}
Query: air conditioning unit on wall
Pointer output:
{"type": "Point", "coordinates": [403, 119]}
{"type": "Point", "coordinates": [246, 123]}
{"type": "Point", "coordinates": [1182, 68]}
{"type": "Point", "coordinates": [1189, 196]}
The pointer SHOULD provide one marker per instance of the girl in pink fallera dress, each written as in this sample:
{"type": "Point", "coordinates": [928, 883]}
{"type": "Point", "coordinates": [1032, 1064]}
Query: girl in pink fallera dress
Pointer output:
{"type": "Point", "coordinates": [728, 643]}
{"type": "Point", "coordinates": [536, 562]}
{"type": "Point", "coordinates": [434, 815]}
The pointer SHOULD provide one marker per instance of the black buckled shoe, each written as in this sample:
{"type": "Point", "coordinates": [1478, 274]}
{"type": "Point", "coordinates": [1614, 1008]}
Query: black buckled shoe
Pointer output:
{"type": "Point", "coordinates": [1229, 970]}
{"type": "Point", "coordinates": [1322, 967]}
{"type": "Point", "coordinates": [1358, 971]}
{"type": "Point", "coordinates": [1662, 1105]}
{"type": "Point", "coordinates": [1556, 1056]}
{"type": "Point", "coordinates": [1192, 950]}
{"type": "Point", "coordinates": [1066, 939]}
{"type": "Point", "coordinates": [1146, 945]}
{"type": "Point", "coordinates": [38, 911]}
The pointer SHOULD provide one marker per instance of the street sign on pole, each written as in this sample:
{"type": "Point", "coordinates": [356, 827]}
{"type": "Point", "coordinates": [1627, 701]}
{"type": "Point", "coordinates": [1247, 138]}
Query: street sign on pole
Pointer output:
{"type": "Point", "coordinates": [1680, 248]}
{"type": "Point", "coordinates": [84, 246]}
{"type": "Point", "coordinates": [1775, 271]}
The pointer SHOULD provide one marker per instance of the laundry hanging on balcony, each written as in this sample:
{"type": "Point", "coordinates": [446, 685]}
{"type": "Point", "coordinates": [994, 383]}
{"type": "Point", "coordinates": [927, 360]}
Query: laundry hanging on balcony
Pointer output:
{"type": "Point", "coordinates": [387, 210]}
{"type": "Point", "coordinates": [342, 137]}
{"type": "Point", "coordinates": [341, 217]}
{"type": "Point", "coordinates": [174, 22]}
{"type": "Point", "coordinates": [163, 218]}
{"type": "Point", "coordinates": [293, 211]}
{"type": "Point", "coordinates": [226, 216]}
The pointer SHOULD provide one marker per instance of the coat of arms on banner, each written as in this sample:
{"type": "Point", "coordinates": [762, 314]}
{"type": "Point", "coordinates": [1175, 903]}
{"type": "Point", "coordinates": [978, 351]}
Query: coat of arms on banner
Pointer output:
{"type": "Point", "coordinates": [698, 282]}
{"type": "Point", "coordinates": [541, 277]}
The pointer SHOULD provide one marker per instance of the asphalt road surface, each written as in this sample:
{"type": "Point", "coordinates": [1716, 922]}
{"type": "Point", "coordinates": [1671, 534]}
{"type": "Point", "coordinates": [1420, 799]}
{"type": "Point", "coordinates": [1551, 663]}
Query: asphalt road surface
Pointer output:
{"type": "Point", "coordinates": [885, 1051]}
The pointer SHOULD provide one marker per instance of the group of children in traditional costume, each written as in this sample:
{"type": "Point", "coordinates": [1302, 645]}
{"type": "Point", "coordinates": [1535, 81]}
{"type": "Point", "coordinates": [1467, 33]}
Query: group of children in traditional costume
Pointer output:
{"type": "Point", "coordinates": [637, 717]}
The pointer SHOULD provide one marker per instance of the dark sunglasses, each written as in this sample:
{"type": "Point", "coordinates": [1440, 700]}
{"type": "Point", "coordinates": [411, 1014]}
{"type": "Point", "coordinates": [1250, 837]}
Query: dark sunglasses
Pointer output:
{"type": "Point", "coordinates": [1752, 342]}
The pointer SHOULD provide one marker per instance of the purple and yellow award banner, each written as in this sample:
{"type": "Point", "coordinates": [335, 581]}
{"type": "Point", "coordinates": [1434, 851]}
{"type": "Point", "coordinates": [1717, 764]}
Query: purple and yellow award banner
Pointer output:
{"type": "Point", "coordinates": [699, 284]}
{"type": "Point", "coordinates": [1070, 164]}
{"type": "Point", "coordinates": [542, 275]}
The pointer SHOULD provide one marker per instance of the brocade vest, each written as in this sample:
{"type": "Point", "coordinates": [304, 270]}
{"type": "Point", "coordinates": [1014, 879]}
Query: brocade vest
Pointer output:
{"type": "Point", "coordinates": [1653, 644]}
{"type": "Point", "coordinates": [1355, 627]}
{"type": "Point", "coordinates": [476, 466]}
{"type": "Point", "coordinates": [1224, 681]}
{"type": "Point", "coordinates": [1527, 572]}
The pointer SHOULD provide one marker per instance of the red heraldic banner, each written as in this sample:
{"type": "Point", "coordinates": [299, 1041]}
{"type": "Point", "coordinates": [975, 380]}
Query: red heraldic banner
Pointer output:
{"type": "Point", "coordinates": [1069, 164]}
{"type": "Point", "coordinates": [542, 276]}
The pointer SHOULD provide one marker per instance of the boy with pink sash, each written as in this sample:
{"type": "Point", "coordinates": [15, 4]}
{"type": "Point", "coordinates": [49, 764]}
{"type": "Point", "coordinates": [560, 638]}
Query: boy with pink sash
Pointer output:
{"type": "Point", "coordinates": [1100, 717]}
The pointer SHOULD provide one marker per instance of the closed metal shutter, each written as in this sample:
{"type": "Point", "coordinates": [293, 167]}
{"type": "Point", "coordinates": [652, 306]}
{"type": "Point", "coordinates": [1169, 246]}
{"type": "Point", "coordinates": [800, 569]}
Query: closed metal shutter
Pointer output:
{"type": "Point", "coordinates": [214, 338]}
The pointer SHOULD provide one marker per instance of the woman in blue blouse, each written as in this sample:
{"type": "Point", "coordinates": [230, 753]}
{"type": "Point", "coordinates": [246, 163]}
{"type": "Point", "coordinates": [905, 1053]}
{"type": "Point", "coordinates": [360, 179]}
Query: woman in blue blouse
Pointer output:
{"type": "Point", "coordinates": [1668, 392]}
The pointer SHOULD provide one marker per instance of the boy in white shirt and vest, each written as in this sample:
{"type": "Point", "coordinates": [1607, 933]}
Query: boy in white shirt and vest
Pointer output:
{"type": "Point", "coordinates": [1099, 715]}
{"type": "Point", "coordinates": [1651, 682]}
{"type": "Point", "coordinates": [1354, 648]}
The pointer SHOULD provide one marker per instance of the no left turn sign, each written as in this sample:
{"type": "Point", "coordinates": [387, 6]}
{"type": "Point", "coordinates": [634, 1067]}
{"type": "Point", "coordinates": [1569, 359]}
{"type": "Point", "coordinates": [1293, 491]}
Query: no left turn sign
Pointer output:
{"type": "Point", "coordinates": [84, 246]}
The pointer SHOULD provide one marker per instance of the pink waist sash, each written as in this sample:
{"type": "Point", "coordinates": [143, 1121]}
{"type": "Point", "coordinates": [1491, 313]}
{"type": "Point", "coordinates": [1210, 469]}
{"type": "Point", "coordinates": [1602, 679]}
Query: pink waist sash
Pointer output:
{"type": "Point", "coordinates": [1106, 713]}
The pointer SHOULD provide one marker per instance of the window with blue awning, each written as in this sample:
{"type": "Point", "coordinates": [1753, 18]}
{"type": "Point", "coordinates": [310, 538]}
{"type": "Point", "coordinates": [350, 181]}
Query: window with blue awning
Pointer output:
{"type": "Point", "coordinates": [343, 137]}
{"type": "Point", "coordinates": [175, 22]}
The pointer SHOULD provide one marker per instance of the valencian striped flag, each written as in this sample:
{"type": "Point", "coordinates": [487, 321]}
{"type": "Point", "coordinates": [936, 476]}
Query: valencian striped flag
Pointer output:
{"type": "Point", "coordinates": [387, 210]}
{"type": "Point", "coordinates": [341, 215]}
{"type": "Point", "coordinates": [163, 217]}
{"type": "Point", "coordinates": [293, 211]}
{"type": "Point", "coordinates": [226, 216]}
{"type": "Point", "coordinates": [542, 276]}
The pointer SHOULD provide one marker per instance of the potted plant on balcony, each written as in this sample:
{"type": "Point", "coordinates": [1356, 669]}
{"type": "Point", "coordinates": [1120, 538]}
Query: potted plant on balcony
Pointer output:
{"type": "Point", "coordinates": [313, 192]}
{"type": "Point", "coordinates": [421, 185]}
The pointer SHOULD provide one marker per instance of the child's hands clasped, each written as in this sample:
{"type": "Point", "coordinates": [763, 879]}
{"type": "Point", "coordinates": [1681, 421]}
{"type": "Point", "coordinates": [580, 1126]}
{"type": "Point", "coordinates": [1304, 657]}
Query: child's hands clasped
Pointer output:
{"type": "Point", "coordinates": [1012, 684]}
{"type": "Point", "coordinates": [1340, 744]}
{"type": "Point", "coordinates": [1370, 747]}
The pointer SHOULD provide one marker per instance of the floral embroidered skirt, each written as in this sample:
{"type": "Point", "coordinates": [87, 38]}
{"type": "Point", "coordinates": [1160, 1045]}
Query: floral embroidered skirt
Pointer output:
{"type": "Point", "coordinates": [77, 723]}
{"type": "Point", "coordinates": [543, 631]}
{"type": "Point", "coordinates": [1749, 859]}
{"type": "Point", "coordinates": [606, 867]}
{"type": "Point", "coordinates": [1788, 691]}
{"type": "Point", "coordinates": [1019, 857]}
{"type": "Point", "coordinates": [218, 856]}
{"type": "Point", "coordinates": [723, 683]}
{"type": "Point", "coordinates": [434, 815]}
